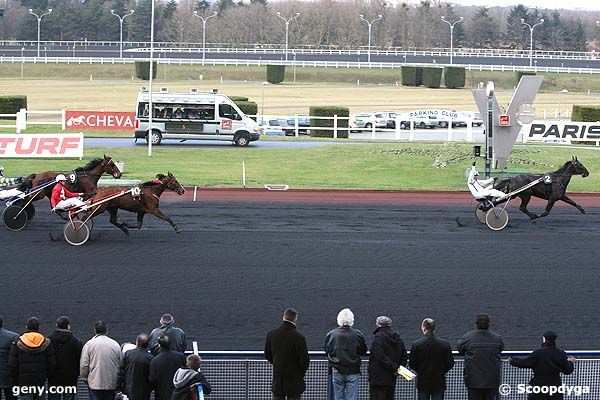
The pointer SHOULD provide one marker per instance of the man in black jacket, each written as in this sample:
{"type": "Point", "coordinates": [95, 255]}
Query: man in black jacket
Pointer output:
{"type": "Point", "coordinates": [431, 358]}
{"type": "Point", "coordinates": [163, 368]}
{"type": "Point", "coordinates": [387, 354]}
{"type": "Point", "coordinates": [134, 372]}
{"type": "Point", "coordinates": [547, 364]}
{"type": "Point", "coordinates": [286, 350]}
{"type": "Point", "coordinates": [30, 359]}
{"type": "Point", "coordinates": [7, 340]}
{"type": "Point", "coordinates": [67, 349]}
{"type": "Point", "coordinates": [344, 346]}
{"type": "Point", "coordinates": [482, 349]}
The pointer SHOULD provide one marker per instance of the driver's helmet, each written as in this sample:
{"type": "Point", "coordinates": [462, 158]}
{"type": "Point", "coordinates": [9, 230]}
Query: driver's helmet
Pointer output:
{"type": "Point", "coordinates": [1, 170]}
{"type": "Point", "coordinates": [60, 178]}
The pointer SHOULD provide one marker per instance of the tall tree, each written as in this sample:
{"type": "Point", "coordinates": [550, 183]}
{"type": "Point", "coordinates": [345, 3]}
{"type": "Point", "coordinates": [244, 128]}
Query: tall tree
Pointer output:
{"type": "Point", "coordinates": [517, 34]}
{"type": "Point", "coordinates": [140, 26]}
{"type": "Point", "coordinates": [202, 5]}
{"type": "Point", "coordinates": [483, 29]}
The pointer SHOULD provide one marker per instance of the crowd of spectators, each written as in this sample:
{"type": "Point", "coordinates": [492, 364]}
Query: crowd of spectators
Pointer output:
{"type": "Point", "coordinates": [157, 364]}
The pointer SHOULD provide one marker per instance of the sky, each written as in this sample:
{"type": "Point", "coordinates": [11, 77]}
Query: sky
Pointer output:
{"type": "Point", "coordinates": [550, 4]}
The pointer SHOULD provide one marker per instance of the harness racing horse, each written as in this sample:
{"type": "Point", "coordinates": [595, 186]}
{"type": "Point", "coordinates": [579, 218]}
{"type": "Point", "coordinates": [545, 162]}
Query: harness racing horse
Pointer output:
{"type": "Point", "coordinates": [86, 178]}
{"type": "Point", "coordinates": [145, 202]}
{"type": "Point", "coordinates": [553, 191]}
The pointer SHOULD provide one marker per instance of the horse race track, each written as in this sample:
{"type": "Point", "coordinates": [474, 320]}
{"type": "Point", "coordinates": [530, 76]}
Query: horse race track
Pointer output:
{"type": "Point", "coordinates": [237, 265]}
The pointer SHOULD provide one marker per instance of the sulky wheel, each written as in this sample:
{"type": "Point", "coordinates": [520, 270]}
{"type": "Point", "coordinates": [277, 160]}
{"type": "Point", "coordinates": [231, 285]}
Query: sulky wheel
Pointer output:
{"type": "Point", "coordinates": [30, 210]}
{"type": "Point", "coordinates": [15, 218]}
{"type": "Point", "coordinates": [76, 233]}
{"type": "Point", "coordinates": [496, 218]}
{"type": "Point", "coordinates": [480, 213]}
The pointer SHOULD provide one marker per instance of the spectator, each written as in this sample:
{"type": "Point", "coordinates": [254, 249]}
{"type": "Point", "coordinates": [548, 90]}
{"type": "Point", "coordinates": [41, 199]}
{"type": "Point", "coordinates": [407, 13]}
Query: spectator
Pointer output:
{"type": "Point", "coordinates": [387, 355]}
{"type": "Point", "coordinates": [67, 349]}
{"type": "Point", "coordinates": [134, 372]}
{"type": "Point", "coordinates": [187, 380]}
{"type": "Point", "coordinates": [7, 339]}
{"type": "Point", "coordinates": [286, 350]}
{"type": "Point", "coordinates": [176, 335]}
{"type": "Point", "coordinates": [163, 368]}
{"type": "Point", "coordinates": [547, 364]}
{"type": "Point", "coordinates": [431, 358]}
{"type": "Point", "coordinates": [344, 347]}
{"type": "Point", "coordinates": [99, 365]}
{"type": "Point", "coordinates": [31, 358]}
{"type": "Point", "coordinates": [481, 349]}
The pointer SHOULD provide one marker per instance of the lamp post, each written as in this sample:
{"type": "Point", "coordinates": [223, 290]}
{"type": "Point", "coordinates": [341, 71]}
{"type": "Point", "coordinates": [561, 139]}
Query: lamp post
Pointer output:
{"type": "Point", "coordinates": [531, 28]}
{"type": "Point", "coordinates": [564, 91]}
{"type": "Point", "coordinates": [489, 150]}
{"type": "Point", "coordinates": [121, 19]}
{"type": "Point", "coordinates": [370, 24]}
{"type": "Point", "coordinates": [39, 23]}
{"type": "Point", "coordinates": [22, 60]}
{"type": "Point", "coordinates": [150, 105]}
{"type": "Point", "coordinates": [204, 19]}
{"type": "Point", "coordinates": [287, 29]}
{"type": "Point", "coordinates": [460, 19]}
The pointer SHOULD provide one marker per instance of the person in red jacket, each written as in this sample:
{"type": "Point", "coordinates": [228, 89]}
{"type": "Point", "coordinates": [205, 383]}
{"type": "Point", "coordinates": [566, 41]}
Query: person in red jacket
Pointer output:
{"type": "Point", "coordinates": [62, 198]}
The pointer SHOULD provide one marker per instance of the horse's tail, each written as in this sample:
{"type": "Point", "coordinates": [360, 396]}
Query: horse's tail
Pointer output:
{"type": "Point", "coordinates": [503, 185]}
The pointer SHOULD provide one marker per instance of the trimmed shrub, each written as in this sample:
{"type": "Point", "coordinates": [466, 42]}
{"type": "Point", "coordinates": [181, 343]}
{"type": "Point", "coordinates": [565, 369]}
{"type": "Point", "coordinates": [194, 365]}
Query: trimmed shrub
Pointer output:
{"type": "Point", "coordinates": [519, 74]}
{"type": "Point", "coordinates": [432, 77]}
{"type": "Point", "coordinates": [275, 73]}
{"type": "Point", "coordinates": [412, 76]}
{"type": "Point", "coordinates": [235, 99]}
{"type": "Point", "coordinates": [586, 113]}
{"type": "Point", "coordinates": [247, 107]}
{"type": "Point", "coordinates": [329, 111]}
{"type": "Point", "coordinates": [142, 70]}
{"type": "Point", "coordinates": [454, 77]}
{"type": "Point", "coordinates": [12, 104]}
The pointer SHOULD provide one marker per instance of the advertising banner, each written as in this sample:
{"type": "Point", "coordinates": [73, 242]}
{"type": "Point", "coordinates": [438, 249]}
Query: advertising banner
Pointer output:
{"type": "Point", "coordinates": [54, 145]}
{"type": "Point", "coordinates": [561, 131]}
{"type": "Point", "coordinates": [100, 120]}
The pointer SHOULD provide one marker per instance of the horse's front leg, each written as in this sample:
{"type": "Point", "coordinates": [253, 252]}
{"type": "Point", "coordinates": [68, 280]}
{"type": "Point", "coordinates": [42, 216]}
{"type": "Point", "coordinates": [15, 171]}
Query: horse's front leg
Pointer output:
{"type": "Point", "coordinates": [523, 207]}
{"type": "Point", "coordinates": [140, 219]}
{"type": "Point", "coordinates": [548, 208]}
{"type": "Point", "coordinates": [157, 213]}
{"type": "Point", "coordinates": [570, 201]}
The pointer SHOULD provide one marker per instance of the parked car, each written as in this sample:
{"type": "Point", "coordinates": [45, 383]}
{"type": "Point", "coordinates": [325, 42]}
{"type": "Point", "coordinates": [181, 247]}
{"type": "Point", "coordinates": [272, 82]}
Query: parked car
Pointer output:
{"type": "Point", "coordinates": [475, 116]}
{"type": "Point", "coordinates": [274, 126]}
{"type": "Point", "coordinates": [366, 121]}
{"type": "Point", "coordinates": [303, 125]}
{"type": "Point", "coordinates": [388, 117]}
{"type": "Point", "coordinates": [428, 121]}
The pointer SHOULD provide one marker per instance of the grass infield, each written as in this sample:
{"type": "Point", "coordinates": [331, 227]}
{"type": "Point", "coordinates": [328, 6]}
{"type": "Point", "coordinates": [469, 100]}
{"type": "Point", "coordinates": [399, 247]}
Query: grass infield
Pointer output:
{"type": "Point", "coordinates": [370, 166]}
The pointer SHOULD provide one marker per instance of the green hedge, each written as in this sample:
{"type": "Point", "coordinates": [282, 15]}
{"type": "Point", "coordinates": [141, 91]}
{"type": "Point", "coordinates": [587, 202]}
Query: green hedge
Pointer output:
{"type": "Point", "coordinates": [329, 111]}
{"type": "Point", "coordinates": [519, 74]}
{"type": "Point", "coordinates": [235, 99]}
{"type": "Point", "coordinates": [275, 73]}
{"type": "Point", "coordinates": [12, 104]}
{"type": "Point", "coordinates": [412, 76]}
{"type": "Point", "coordinates": [142, 70]}
{"type": "Point", "coordinates": [585, 113]}
{"type": "Point", "coordinates": [454, 77]}
{"type": "Point", "coordinates": [247, 107]}
{"type": "Point", "coordinates": [432, 77]}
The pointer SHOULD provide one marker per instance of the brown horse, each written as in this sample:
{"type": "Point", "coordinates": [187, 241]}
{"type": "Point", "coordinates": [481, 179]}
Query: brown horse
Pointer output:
{"type": "Point", "coordinates": [85, 178]}
{"type": "Point", "coordinates": [146, 203]}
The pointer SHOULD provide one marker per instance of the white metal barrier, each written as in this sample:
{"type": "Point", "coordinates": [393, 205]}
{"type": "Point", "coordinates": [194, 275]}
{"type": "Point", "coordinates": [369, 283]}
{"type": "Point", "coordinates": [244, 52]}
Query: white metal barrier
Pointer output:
{"type": "Point", "coordinates": [22, 119]}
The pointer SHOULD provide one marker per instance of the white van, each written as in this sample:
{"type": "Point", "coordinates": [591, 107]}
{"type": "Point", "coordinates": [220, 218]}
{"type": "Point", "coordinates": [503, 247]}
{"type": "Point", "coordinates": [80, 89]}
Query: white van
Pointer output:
{"type": "Point", "coordinates": [193, 115]}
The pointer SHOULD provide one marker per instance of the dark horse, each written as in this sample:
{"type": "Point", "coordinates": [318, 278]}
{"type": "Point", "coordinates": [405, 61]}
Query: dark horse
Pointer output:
{"type": "Point", "coordinates": [554, 191]}
{"type": "Point", "coordinates": [146, 203]}
{"type": "Point", "coordinates": [86, 177]}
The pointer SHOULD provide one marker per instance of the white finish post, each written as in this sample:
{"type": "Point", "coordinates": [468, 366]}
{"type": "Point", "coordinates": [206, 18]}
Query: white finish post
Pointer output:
{"type": "Point", "coordinates": [195, 192]}
{"type": "Point", "coordinates": [244, 174]}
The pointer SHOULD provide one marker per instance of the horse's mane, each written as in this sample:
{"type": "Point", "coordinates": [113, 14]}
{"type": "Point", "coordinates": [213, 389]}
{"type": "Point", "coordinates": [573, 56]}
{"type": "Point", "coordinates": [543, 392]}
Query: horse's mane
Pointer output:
{"type": "Point", "coordinates": [153, 183]}
{"type": "Point", "coordinates": [564, 167]}
{"type": "Point", "coordinates": [90, 165]}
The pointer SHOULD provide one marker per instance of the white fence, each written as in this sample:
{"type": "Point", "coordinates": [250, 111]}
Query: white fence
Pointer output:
{"type": "Point", "coordinates": [26, 117]}
{"type": "Point", "coordinates": [292, 63]}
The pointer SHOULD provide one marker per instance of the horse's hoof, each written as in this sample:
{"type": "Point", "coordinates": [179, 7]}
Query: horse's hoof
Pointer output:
{"type": "Point", "coordinates": [126, 232]}
{"type": "Point", "coordinates": [534, 217]}
{"type": "Point", "coordinates": [177, 229]}
{"type": "Point", "coordinates": [582, 210]}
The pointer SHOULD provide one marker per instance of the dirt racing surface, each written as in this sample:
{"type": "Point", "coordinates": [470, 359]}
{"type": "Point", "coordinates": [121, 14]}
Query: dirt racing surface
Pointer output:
{"type": "Point", "coordinates": [237, 264]}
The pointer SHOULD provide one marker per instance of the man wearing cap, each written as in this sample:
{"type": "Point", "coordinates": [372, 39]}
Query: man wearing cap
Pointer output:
{"type": "Point", "coordinates": [62, 198]}
{"type": "Point", "coordinates": [547, 364]}
{"type": "Point", "coordinates": [176, 335]}
{"type": "Point", "coordinates": [483, 188]}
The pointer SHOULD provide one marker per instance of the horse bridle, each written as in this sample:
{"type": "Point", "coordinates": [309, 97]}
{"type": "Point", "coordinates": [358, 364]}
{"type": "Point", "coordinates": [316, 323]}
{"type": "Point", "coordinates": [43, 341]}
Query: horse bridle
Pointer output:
{"type": "Point", "coordinates": [81, 174]}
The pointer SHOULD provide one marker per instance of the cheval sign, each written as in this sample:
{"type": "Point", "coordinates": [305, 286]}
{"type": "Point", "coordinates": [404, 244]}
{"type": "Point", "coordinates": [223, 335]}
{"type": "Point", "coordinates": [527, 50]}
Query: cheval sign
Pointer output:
{"type": "Point", "coordinates": [569, 131]}
{"type": "Point", "coordinates": [99, 120]}
{"type": "Point", "coordinates": [41, 145]}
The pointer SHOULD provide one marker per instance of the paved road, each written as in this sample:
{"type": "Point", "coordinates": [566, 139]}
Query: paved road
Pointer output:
{"type": "Point", "coordinates": [236, 266]}
{"type": "Point", "coordinates": [113, 52]}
